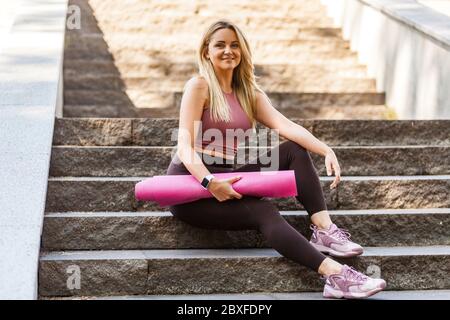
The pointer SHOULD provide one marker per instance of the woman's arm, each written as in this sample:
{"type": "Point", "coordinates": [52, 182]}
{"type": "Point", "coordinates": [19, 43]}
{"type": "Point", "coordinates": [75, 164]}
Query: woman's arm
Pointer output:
{"type": "Point", "coordinates": [191, 110]}
{"type": "Point", "coordinates": [273, 119]}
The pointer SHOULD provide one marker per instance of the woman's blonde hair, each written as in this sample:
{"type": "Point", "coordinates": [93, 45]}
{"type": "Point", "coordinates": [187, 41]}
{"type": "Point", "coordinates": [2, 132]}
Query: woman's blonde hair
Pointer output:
{"type": "Point", "coordinates": [243, 83]}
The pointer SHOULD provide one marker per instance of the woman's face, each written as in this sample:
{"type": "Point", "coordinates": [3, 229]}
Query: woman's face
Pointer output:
{"type": "Point", "coordinates": [223, 49]}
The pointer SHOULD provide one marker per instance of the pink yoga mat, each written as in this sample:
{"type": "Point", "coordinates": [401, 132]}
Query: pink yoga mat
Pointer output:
{"type": "Point", "coordinates": [176, 189]}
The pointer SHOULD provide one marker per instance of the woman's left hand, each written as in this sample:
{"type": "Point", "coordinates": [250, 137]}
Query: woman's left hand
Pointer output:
{"type": "Point", "coordinates": [331, 164]}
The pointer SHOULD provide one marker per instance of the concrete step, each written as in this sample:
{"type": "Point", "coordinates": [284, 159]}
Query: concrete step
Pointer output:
{"type": "Point", "coordinates": [245, 18]}
{"type": "Point", "coordinates": [207, 271]}
{"type": "Point", "coordinates": [139, 99]}
{"type": "Point", "coordinates": [139, 57]}
{"type": "Point", "coordinates": [169, 26]}
{"type": "Point", "coordinates": [239, 9]}
{"type": "Point", "coordinates": [311, 33]}
{"type": "Point", "coordinates": [105, 67]}
{"type": "Point", "coordinates": [165, 29]}
{"type": "Point", "coordinates": [172, 23]}
{"type": "Point", "coordinates": [384, 295]}
{"type": "Point", "coordinates": [157, 132]}
{"type": "Point", "coordinates": [94, 71]}
{"type": "Point", "coordinates": [98, 194]}
{"type": "Point", "coordinates": [201, 5]}
{"type": "Point", "coordinates": [137, 41]}
{"type": "Point", "coordinates": [366, 112]}
{"type": "Point", "coordinates": [318, 80]}
{"type": "Point", "coordinates": [289, 50]}
{"type": "Point", "coordinates": [355, 91]}
{"type": "Point", "coordinates": [82, 161]}
{"type": "Point", "coordinates": [362, 112]}
{"type": "Point", "coordinates": [160, 230]}
{"type": "Point", "coordinates": [112, 111]}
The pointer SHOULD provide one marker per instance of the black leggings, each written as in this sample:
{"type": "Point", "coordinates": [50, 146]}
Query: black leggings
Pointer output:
{"type": "Point", "coordinates": [258, 213]}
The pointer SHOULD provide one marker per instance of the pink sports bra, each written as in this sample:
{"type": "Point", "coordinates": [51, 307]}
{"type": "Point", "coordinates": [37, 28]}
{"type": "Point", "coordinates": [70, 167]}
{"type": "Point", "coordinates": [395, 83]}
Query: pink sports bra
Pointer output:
{"type": "Point", "coordinates": [223, 146]}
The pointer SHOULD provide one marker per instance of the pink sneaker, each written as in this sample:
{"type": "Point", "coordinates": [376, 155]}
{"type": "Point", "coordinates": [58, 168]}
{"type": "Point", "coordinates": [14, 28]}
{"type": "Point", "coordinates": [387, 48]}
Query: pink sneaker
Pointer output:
{"type": "Point", "coordinates": [351, 284]}
{"type": "Point", "coordinates": [335, 242]}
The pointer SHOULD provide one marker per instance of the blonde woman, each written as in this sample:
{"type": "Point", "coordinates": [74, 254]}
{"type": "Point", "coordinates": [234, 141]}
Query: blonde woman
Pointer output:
{"type": "Point", "coordinates": [225, 96]}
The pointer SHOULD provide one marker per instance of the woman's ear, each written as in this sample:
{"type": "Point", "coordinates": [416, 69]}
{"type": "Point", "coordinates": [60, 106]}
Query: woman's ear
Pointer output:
{"type": "Point", "coordinates": [206, 51]}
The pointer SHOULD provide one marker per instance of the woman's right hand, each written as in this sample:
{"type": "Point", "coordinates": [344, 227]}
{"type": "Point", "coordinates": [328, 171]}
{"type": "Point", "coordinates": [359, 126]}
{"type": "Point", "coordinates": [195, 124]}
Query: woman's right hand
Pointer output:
{"type": "Point", "coordinates": [223, 190]}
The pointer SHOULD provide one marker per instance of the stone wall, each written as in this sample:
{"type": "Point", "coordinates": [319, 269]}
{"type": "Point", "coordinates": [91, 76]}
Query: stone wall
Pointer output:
{"type": "Point", "coordinates": [406, 46]}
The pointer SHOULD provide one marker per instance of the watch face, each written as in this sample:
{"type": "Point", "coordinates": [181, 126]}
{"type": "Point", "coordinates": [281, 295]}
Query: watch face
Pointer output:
{"type": "Point", "coordinates": [206, 180]}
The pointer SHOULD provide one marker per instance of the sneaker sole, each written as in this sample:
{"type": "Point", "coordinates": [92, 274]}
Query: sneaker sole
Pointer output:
{"type": "Point", "coordinates": [335, 253]}
{"type": "Point", "coordinates": [338, 294]}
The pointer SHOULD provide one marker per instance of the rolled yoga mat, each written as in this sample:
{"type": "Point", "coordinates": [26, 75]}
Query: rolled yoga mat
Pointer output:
{"type": "Point", "coordinates": [177, 189]}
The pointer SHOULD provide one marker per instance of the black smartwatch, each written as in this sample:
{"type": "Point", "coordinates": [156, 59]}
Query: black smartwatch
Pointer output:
{"type": "Point", "coordinates": [206, 180]}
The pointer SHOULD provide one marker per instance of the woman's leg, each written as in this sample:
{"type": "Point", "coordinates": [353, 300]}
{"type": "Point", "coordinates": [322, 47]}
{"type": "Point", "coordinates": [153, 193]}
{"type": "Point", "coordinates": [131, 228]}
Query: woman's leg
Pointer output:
{"type": "Point", "coordinates": [292, 156]}
{"type": "Point", "coordinates": [251, 213]}
{"type": "Point", "coordinates": [255, 213]}
{"type": "Point", "coordinates": [247, 213]}
{"type": "Point", "coordinates": [327, 237]}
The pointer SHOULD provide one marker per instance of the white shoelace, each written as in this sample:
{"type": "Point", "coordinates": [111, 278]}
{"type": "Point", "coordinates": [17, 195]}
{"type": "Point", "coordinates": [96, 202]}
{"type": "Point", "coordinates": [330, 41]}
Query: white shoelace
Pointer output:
{"type": "Point", "coordinates": [353, 275]}
{"type": "Point", "coordinates": [342, 234]}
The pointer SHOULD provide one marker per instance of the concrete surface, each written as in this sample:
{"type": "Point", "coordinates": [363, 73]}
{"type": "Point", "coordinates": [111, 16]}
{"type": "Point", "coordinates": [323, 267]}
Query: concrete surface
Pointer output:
{"type": "Point", "coordinates": [30, 67]}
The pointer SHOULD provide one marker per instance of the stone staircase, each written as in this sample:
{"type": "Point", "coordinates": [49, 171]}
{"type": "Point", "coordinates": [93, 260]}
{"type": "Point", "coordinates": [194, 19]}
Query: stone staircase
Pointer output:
{"type": "Point", "coordinates": [134, 62]}
{"type": "Point", "coordinates": [398, 209]}
{"type": "Point", "coordinates": [121, 107]}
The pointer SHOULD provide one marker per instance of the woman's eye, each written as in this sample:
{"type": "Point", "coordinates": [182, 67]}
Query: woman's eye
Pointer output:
{"type": "Point", "coordinates": [233, 45]}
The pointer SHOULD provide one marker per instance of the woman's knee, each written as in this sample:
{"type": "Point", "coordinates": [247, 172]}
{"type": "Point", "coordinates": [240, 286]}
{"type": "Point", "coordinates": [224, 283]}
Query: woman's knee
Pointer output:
{"type": "Point", "coordinates": [178, 212]}
{"type": "Point", "coordinates": [186, 213]}
{"type": "Point", "coordinates": [296, 149]}
{"type": "Point", "coordinates": [264, 211]}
